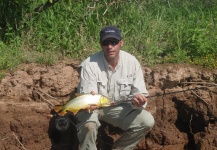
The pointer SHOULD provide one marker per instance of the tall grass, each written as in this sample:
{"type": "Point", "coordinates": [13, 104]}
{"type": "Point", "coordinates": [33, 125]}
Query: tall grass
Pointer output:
{"type": "Point", "coordinates": [156, 31]}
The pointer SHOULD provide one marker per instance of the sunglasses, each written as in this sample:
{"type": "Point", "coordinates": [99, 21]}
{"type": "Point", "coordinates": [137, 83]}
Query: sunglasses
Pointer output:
{"type": "Point", "coordinates": [111, 42]}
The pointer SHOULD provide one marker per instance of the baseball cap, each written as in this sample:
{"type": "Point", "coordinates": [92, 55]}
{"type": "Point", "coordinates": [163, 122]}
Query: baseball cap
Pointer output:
{"type": "Point", "coordinates": [110, 32]}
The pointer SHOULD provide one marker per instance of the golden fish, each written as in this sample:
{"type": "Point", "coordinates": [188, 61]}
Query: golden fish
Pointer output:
{"type": "Point", "coordinates": [83, 102]}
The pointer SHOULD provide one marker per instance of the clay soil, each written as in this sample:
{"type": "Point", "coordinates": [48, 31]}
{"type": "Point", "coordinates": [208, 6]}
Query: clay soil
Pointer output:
{"type": "Point", "coordinates": [184, 105]}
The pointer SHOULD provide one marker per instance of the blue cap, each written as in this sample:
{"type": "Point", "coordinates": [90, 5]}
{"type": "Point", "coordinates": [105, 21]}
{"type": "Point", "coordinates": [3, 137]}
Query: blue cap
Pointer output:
{"type": "Point", "coordinates": [110, 32]}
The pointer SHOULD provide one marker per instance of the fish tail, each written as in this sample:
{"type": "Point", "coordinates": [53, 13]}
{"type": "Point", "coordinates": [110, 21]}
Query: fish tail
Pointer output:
{"type": "Point", "coordinates": [57, 108]}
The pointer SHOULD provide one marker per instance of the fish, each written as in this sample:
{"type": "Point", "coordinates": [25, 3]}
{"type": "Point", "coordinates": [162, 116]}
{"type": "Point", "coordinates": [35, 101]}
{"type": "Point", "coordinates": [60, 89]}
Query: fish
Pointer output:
{"type": "Point", "coordinates": [83, 101]}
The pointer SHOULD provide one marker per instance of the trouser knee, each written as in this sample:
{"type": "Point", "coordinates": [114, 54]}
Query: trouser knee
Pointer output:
{"type": "Point", "coordinates": [144, 120]}
{"type": "Point", "coordinates": [148, 121]}
{"type": "Point", "coordinates": [90, 126]}
{"type": "Point", "coordinates": [88, 129]}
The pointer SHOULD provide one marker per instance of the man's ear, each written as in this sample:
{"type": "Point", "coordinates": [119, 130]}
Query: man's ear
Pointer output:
{"type": "Point", "coordinates": [122, 42]}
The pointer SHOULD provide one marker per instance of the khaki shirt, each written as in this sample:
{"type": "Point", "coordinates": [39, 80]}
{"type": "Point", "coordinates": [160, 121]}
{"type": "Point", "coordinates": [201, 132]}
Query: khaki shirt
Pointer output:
{"type": "Point", "coordinates": [126, 80]}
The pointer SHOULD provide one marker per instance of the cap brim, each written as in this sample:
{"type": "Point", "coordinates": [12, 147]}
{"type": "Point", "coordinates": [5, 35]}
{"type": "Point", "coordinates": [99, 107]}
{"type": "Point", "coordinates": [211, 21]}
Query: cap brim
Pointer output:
{"type": "Point", "coordinates": [110, 36]}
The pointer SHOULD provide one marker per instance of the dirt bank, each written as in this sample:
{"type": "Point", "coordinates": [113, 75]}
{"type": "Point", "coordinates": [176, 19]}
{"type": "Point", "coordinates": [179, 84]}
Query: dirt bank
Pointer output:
{"type": "Point", "coordinates": [184, 120]}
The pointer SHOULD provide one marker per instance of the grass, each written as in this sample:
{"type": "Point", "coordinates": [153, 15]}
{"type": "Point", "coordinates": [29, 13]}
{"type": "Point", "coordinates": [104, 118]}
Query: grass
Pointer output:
{"type": "Point", "coordinates": [156, 31]}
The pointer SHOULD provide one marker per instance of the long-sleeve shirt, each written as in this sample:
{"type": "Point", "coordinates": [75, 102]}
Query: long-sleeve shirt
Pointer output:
{"type": "Point", "coordinates": [125, 80]}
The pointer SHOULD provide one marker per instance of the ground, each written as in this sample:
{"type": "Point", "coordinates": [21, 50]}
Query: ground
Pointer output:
{"type": "Point", "coordinates": [183, 101]}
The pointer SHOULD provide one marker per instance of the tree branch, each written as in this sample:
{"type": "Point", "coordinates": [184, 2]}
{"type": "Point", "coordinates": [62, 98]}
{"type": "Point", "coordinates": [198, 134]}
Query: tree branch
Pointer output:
{"type": "Point", "coordinates": [41, 8]}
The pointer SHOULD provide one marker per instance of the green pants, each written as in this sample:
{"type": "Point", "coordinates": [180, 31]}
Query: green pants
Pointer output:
{"type": "Point", "coordinates": [135, 122]}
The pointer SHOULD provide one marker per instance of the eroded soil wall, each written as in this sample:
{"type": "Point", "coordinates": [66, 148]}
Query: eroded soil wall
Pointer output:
{"type": "Point", "coordinates": [183, 101]}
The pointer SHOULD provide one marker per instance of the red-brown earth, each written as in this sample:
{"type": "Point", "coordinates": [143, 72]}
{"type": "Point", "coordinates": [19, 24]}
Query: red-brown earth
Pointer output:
{"type": "Point", "coordinates": [185, 119]}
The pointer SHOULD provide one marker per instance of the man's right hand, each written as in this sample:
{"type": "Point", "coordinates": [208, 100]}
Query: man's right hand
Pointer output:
{"type": "Point", "coordinates": [91, 108]}
{"type": "Point", "coordinates": [139, 100]}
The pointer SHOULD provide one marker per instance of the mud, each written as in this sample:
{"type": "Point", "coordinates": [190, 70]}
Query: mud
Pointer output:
{"type": "Point", "coordinates": [184, 105]}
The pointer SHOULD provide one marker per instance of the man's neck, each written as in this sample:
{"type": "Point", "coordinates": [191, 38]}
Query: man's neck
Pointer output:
{"type": "Point", "coordinates": [113, 63]}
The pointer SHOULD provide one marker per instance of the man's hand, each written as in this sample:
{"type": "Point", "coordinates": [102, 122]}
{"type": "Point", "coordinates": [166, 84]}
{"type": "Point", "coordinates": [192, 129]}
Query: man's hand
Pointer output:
{"type": "Point", "coordinates": [139, 100]}
{"type": "Point", "coordinates": [92, 107]}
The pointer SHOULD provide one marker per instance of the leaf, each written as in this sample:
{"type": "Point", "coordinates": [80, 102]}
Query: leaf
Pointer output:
{"type": "Point", "coordinates": [20, 1]}
{"type": "Point", "coordinates": [51, 1]}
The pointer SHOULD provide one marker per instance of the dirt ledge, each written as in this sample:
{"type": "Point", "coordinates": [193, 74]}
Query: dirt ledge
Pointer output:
{"type": "Point", "coordinates": [184, 120]}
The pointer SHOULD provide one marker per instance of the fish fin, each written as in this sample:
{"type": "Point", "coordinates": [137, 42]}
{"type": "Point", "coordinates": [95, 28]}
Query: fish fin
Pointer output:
{"type": "Point", "coordinates": [74, 113]}
{"type": "Point", "coordinates": [62, 113]}
{"type": "Point", "coordinates": [57, 108]}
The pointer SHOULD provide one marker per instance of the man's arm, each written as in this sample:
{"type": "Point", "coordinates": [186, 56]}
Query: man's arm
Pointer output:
{"type": "Point", "coordinates": [87, 81]}
{"type": "Point", "coordinates": [139, 88]}
{"type": "Point", "coordinates": [87, 84]}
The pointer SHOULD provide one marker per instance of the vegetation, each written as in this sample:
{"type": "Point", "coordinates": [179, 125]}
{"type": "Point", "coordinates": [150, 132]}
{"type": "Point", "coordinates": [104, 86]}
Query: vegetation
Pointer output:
{"type": "Point", "coordinates": [156, 31]}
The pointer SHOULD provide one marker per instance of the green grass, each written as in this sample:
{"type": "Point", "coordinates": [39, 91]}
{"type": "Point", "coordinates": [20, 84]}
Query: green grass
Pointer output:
{"type": "Point", "coordinates": [10, 54]}
{"type": "Point", "coordinates": [156, 31]}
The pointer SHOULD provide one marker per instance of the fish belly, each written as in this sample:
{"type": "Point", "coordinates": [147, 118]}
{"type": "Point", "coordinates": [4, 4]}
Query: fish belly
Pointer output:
{"type": "Point", "coordinates": [82, 102]}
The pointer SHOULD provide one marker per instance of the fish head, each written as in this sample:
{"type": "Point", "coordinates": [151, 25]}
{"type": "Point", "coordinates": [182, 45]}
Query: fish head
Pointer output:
{"type": "Point", "coordinates": [104, 101]}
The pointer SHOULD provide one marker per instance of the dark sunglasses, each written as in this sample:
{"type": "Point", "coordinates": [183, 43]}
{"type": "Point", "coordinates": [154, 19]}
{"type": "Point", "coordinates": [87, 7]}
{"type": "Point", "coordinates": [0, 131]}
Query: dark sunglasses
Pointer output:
{"type": "Point", "coordinates": [111, 42]}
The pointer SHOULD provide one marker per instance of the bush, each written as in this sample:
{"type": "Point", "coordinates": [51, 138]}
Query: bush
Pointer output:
{"type": "Point", "coordinates": [155, 31]}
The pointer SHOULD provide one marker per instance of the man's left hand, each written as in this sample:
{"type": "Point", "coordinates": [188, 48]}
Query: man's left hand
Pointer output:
{"type": "Point", "coordinates": [139, 100]}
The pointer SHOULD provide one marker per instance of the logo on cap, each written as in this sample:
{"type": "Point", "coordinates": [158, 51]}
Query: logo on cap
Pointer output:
{"type": "Point", "coordinates": [110, 31]}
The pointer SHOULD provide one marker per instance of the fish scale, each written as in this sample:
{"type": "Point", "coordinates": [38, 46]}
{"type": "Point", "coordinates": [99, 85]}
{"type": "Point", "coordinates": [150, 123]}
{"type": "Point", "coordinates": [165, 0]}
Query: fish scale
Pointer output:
{"type": "Point", "coordinates": [83, 102]}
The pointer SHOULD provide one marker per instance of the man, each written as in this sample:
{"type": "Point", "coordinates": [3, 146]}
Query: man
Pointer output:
{"type": "Point", "coordinates": [116, 74]}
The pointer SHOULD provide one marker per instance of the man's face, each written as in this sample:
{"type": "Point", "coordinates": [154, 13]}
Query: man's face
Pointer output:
{"type": "Point", "coordinates": [111, 48]}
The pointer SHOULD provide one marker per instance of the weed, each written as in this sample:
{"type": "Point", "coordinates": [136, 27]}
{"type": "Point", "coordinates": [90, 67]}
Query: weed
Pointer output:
{"type": "Point", "coordinates": [155, 31]}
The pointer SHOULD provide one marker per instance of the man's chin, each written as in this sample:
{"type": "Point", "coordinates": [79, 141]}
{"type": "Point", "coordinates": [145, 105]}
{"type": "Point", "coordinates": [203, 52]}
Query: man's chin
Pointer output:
{"type": "Point", "coordinates": [111, 57]}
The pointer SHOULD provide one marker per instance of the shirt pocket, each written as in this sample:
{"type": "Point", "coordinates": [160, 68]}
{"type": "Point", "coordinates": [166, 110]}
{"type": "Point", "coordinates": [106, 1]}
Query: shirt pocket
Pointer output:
{"type": "Point", "coordinates": [102, 87]}
{"type": "Point", "coordinates": [124, 86]}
